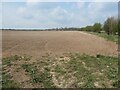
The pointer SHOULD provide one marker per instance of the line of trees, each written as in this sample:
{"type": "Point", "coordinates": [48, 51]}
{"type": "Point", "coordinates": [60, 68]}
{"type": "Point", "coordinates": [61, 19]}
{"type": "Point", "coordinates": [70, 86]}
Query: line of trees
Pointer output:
{"type": "Point", "coordinates": [53, 29]}
{"type": "Point", "coordinates": [64, 29]}
{"type": "Point", "coordinates": [110, 26]}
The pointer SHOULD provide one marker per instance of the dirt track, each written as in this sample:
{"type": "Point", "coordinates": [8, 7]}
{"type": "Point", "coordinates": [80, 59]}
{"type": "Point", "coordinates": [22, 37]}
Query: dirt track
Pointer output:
{"type": "Point", "coordinates": [37, 43]}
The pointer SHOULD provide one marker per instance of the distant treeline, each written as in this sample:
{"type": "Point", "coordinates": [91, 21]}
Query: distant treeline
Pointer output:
{"type": "Point", "coordinates": [110, 26]}
{"type": "Point", "coordinates": [65, 29]}
{"type": "Point", "coordinates": [53, 29]}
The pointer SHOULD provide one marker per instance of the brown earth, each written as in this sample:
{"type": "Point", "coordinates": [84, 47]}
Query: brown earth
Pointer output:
{"type": "Point", "coordinates": [37, 43]}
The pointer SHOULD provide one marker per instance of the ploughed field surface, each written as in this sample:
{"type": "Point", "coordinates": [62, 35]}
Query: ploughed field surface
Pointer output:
{"type": "Point", "coordinates": [61, 59]}
{"type": "Point", "coordinates": [38, 43]}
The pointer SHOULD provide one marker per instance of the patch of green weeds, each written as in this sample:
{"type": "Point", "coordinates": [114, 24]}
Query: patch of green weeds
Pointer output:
{"type": "Point", "coordinates": [46, 79]}
{"type": "Point", "coordinates": [43, 78]}
{"type": "Point", "coordinates": [59, 70]}
{"type": "Point", "coordinates": [7, 82]}
{"type": "Point", "coordinates": [84, 65]}
{"type": "Point", "coordinates": [81, 73]}
{"type": "Point", "coordinates": [88, 81]}
{"type": "Point", "coordinates": [8, 60]}
{"type": "Point", "coordinates": [116, 84]}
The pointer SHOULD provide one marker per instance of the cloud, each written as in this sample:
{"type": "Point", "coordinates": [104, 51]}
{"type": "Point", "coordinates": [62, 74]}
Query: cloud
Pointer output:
{"type": "Point", "coordinates": [55, 16]}
{"type": "Point", "coordinates": [59, 13]}
{"type": "Point", "coordinates": [51, 15]}
{"type": "Point", "coordinates": [80, 4]}
{"type": "Point", "coordinates": [0, 15]}
{"type": "Point", "coordinates": [32, 2]}
{"type": "Point", "coordinates": [59, 0]}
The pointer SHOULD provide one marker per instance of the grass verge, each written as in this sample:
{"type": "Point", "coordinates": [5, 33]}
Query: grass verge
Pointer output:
{"type": "Point", "coordinates": [113, 38]}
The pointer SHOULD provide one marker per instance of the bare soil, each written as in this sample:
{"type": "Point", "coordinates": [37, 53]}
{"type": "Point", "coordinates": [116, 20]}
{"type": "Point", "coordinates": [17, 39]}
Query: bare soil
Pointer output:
{"type": "Point", "coordinates": [33, 52]}
{"type": "Point", "coordinates": [38, 43]}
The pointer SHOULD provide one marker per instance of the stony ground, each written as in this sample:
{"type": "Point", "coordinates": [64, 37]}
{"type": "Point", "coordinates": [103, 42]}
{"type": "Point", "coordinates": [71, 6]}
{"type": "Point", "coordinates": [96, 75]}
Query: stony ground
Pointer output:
{"type": "Point", "coordinates": [68, 71]}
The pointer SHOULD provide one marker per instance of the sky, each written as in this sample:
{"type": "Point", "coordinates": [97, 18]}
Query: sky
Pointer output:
{"type": "Point", "coordinates": [33, 14]}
